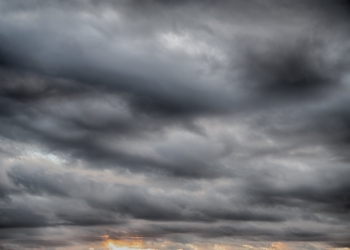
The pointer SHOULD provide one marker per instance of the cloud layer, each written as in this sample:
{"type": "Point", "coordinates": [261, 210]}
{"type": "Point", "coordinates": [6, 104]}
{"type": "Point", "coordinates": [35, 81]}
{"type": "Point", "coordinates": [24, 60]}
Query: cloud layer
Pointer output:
{"type": "Point", "coordinates": [183, 124]}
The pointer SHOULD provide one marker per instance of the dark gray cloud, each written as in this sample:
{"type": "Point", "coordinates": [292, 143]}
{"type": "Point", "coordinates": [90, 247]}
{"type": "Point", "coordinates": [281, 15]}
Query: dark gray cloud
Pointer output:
{"type": "Point", "coordinates": [296, 71]}
{"type": "Point", "coordinates": [188, 122]}
{"type": "Point", "coordinates": [21, 217]}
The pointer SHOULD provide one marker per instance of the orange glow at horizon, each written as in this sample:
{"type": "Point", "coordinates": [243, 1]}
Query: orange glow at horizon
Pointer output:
{"type": "Point", "coordinates": [124, 244]}
{"type": "Point", "coordinates": [137, 243]}
{"type": "Point", "coordinates": [273, 246]}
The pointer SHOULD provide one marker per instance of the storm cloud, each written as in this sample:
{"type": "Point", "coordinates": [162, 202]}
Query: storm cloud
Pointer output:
{"type": "Point", "coordinates": [174, 124]}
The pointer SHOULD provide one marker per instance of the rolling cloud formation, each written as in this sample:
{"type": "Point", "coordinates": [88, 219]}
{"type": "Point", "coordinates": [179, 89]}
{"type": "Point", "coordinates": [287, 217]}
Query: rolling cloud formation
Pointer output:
{"type": "Point", "coordinates": [174, 121]}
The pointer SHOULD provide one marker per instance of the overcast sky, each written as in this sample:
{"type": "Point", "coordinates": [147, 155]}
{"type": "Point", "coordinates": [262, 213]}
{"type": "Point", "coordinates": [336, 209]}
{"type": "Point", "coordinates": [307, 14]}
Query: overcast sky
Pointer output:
{"type": "Point", "coordinates": [175, 124]}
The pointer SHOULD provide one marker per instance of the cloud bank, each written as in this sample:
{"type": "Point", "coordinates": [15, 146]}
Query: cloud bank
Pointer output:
{"type": "Point", "coordinates": [179, 124]}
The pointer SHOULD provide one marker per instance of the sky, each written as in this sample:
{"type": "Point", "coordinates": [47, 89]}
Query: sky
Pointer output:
{"type": "Point", "coordinates": [175, 125]}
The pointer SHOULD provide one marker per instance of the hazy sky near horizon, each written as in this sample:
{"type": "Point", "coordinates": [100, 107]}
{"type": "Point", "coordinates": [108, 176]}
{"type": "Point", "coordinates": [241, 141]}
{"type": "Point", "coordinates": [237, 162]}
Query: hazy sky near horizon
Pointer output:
{"type": "Point", "coordinates": [191, 125]}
